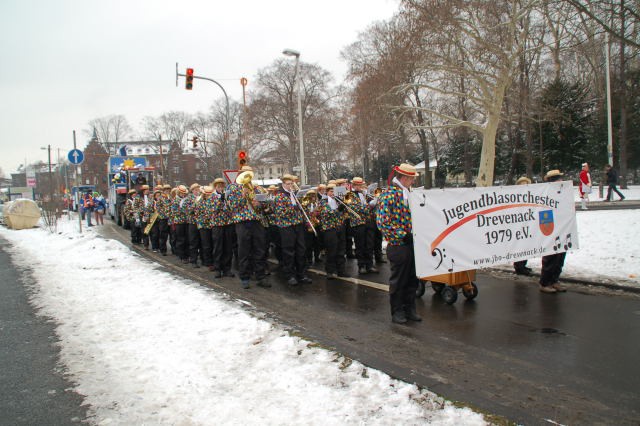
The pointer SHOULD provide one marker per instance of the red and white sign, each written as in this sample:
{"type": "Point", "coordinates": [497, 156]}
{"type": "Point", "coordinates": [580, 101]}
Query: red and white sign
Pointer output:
{"type": "Point", "coordinates": [470, 228]}
{"type": "Point", "coordinates": [230, 175]}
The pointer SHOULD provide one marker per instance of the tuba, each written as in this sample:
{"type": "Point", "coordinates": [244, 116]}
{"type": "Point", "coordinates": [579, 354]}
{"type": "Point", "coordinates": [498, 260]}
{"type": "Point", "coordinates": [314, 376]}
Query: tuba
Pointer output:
{"type": "Point", "coordinates": [248, 189]}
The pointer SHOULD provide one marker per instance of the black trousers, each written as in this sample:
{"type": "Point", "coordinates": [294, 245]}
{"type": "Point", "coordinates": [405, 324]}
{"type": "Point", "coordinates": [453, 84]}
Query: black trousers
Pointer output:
{"type": "Point", "coordinates": [293, 250]}
{"type": "Point", "coordinates": [348, 242]}
{"type": "Point", "coordinates": [251, 237]}
{"type": "Point", "coordinates": [143, 236]}
{"type": "Point", "coordinates": [182, 241]}
{"type": "Point", "coordinates": [520, 265]}
{"type": "Point", "coordinates": [206, 246]}
{"type": "Point", "coordinates": [274, 239]}
{"type": "Point", "coordinates": [403, 282]}
{"type": "Point", "coordinates": [613, 188]}
{"type": "Point", "coordinates": [312, 245]}
{"type": "Point", "coordinates": [194, 242]}
{"type": "Point", "coordinates": [364, 245]}
{"type": "Point", "coordinates": [136, 233]}
{"type": "Point", "coordinates": [551, 268]}
{"type": "Point", "coordinates": [335, 242]}
{"type": "Point", "coordinates": [377, 241]}
{"type": "Point", "coordinates": [223, 241]}
{"type": "Point", "coordinates": [162, 225]}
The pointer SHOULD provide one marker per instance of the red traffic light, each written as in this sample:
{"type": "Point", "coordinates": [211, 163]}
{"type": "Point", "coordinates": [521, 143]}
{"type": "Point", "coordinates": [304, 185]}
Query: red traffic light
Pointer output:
{"type": "Point", "coordinates": [242, 159]}
{"type": "Point", "coordinates": [189, 80]}
{"type": "Point", "coordinates": [242, 155]}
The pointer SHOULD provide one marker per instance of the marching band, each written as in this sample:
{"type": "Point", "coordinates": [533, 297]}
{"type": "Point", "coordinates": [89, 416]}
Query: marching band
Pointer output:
{"type": "Point", "coordinates": [209, 226]}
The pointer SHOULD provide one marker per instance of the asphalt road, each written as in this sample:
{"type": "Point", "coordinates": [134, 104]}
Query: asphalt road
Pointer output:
{"type": "Point", "coordinates": [514, 352]}
{"type": "Point", "coordinates": [33, 390]}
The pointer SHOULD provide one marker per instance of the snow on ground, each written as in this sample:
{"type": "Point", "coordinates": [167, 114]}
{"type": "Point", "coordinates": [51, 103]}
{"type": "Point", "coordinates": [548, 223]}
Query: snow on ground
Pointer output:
{"type": "Point", "coordinates": [146, 347]}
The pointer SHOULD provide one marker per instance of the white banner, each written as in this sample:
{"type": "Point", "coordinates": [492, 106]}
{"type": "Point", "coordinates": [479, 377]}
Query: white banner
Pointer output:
{"type": "Point", "coordinates": [470, 228]}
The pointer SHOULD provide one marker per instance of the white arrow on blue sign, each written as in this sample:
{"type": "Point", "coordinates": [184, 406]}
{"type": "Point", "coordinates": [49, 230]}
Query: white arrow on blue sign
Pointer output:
{"type": "Point", "coordinates": [75, 156]}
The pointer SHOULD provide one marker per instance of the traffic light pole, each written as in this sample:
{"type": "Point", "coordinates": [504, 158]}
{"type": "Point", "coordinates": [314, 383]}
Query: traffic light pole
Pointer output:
{"type": "Point", "coordinates": [228, 125]}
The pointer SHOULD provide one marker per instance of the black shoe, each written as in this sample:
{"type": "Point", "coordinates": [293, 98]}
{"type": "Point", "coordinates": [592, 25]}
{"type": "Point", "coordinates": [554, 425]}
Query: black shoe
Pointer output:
{"type": "Point", "coordinates": [362, 270]}
{"type": "Point", "coordinates": [305, 280]}
{"type": "Point", "coordinates": [380, 260]}
{"type": "Point", "coordinates": [195, 265]}
{"type": "Point", "coordinates": [399, 317]}
{"type": "Point", "coordinates": [412, 315]}
{"type": "Point", "coordinates": [264, 282]}
{"type": "Point", "coordinates": [292, 281]}
{"type": "Point", "coordinates": [218, 274]}
{"type": "Point", "coordinates": [332, 276]}
{"type": "Point", "coordinates": [245, 284]}
{"type": "Point", "coordinates": [343, 275]}
{"type": "Point", "coordinates": [351, 256]}
{"type": "Point", "coordinates": [164, 253]}
{"type": "Point", "coordinates": [228, 274]}
{"type": "Point", "coordinates": [524, 271]}
{"type": "Point", "coordinates": [372, 269]}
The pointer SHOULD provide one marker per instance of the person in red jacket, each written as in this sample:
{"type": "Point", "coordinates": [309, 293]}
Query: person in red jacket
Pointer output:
{"type": "Point", "coordinates": [585, 185]}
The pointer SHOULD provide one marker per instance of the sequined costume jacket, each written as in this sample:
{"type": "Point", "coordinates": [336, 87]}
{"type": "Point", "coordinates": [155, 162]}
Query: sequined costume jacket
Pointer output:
{"type": "Point", "coordinates": [393, 216]}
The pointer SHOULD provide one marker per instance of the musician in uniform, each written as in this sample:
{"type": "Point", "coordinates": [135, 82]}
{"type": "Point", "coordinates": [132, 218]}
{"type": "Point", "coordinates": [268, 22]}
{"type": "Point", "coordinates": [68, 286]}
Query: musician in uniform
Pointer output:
{"type": "Point", "coordinates": [180, 221]}
{"type": "Point", "coordinates": [290, 221]}
{"type": "Point", "coordinates": [222, 231]}
{"type": "Point", "coordinates": [331, 215]}
{"type": "Point", "coordinates": [127, 211]}
{"type": "Point", "coordinates": [193, 234]}
{"type": "Point", "coordinates": [136, 217]}
{"type": "Point", "coordinates": [394, 221]}
{"type": "Point", "coordinates": [312, 239]}
{"type": "Point", "coordinates": [154, 234]}
{"type": "Point", "coordinates": [348, 230]}
{"type": "Point", "coordinates": [360, 227]}
{"type": "Point", "coordinates": [203, 217]}
{"type": "Point", "coordinates": [273, 233]}
{"type": "Point", "coordinates": [160, 230]}
{"type": "Point", "coordinates": [146, 210]}
{"type": "Point", "coordinates": [250, 230]}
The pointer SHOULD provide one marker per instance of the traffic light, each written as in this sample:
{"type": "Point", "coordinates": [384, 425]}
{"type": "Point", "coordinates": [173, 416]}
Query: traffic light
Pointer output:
{"type": "Point", "coordinates": [242, 159]}
{"type": "Point", "coordinates": [195, 141]}
{"type": "Point", "coordinates": [189, 79]}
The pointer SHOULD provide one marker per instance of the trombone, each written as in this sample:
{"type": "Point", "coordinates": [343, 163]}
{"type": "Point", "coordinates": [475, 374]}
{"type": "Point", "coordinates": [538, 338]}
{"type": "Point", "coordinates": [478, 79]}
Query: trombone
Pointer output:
{"type": "Point", "coordinates": [306, 217]}
{"type": "Point", "coordinates": [348, 197]}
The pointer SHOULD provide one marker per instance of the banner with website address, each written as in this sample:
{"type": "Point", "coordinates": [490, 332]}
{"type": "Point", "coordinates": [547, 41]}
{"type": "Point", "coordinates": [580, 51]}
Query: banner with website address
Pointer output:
{"type": "Point", "coordinates": [470, 228]}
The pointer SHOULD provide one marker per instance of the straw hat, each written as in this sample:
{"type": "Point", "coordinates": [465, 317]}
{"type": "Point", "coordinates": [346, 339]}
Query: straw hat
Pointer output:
{"type": "Point", "coordinates": [331, 186]}
{"type": "Point", "coordinates": [166, 186]}
{"type": "Point", "coordinates": [132, 191]}
{"type": "Point", "coordinates": [357, 181]}
{"type": "Point", "coordinates": [218, 180]}
{"type": "Point", "coordinates": [340, 181]}
{"type": "Point", "coordinates": [183, 189]}
{"type": "Point", "coordinates": [322, 185]}
{"type": "Point", "coordinates": [405, 169]}
{"type": "Point", "coordinates": [332, 182]}
{"type": "Point", "coordinates": [272, 188]}
{"type": "Point", "coordinates": [144, 187]}
{"type": "Point", "coordinates": [247, 175]}
{"type": "Point", "coordinates": [207, 189]}
{"type": "Point", "coordinates": [523, 181]}
{"type": "Point", "coordinates": [552, 174]}
{"type": "Point", "coordinates": [194, 186]}
{"type": "Point", "coordinates": [287, 176]}
{"type": "Point", "coordinates": [311, 191]}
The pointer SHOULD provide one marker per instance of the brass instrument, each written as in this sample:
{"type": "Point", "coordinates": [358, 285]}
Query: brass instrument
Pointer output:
{"type": "Point", "coordinates": [152, 220]}
{"type": "Point", "coordinates": [310, 198]}
{"type": "Point", "coordinates": [248, 189]}
{"type": "Point", "coordinates": [349, 198]}
{"type": "Point", "coordinates": [313, 229]}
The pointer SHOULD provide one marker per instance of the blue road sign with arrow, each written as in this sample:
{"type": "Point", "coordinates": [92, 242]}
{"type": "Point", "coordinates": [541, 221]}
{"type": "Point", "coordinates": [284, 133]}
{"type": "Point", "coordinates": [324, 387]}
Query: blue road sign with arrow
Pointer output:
{"type": "Point", "coordinates": [75, 156]}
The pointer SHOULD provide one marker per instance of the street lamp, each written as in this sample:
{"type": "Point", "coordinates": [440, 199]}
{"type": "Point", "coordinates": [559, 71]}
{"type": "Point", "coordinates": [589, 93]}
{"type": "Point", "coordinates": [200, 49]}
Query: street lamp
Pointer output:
{"type": "Point", "coordinates": [48, 148]}
{"type": "Point", "coordinates": [296, 79]}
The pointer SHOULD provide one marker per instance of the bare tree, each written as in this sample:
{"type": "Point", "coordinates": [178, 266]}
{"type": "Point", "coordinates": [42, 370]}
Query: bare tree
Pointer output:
{"type": "Point", "coordinates": [111, 128]}
{"type": "Point", "coordinates": [171, 125]}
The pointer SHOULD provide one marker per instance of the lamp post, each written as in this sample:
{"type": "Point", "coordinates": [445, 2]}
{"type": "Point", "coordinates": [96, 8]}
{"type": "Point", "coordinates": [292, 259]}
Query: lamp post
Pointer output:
{"type": "Point", "coordinates": [48, 148]}
{"type": "Point", "coordinates": [296, 79]}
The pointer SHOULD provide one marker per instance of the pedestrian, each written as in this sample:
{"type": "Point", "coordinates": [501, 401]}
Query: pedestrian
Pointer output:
{"type": "Point", "coordinates": [585, 185]}
{"type": "Point", "coordinates": [612, 182]}
{"type": "Point", "coordinates": [520, 266]}
{"type": "Point", "coordinates": [100, 206]}
{"type": "Point", "coordinates": [552, 264]}
{"type": "Point", "coordinates": [88, 207]}
{"type": "Point", "coordinates": [393, 218]}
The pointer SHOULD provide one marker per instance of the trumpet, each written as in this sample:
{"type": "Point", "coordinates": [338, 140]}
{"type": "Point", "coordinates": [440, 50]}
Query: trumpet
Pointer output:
{"type": "Point", "coordinates": [313, 229]}
{"type": "Point", "coordinates": [346, 206]}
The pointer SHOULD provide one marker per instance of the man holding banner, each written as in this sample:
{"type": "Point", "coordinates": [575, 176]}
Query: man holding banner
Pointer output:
{"type": "Point", "coordinates": [393, 218]}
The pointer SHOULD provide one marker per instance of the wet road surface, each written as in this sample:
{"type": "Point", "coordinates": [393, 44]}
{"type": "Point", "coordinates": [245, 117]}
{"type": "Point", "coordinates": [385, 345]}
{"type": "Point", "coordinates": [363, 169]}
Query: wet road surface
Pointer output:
{"type": "Point", "coordinates": [571, 358]}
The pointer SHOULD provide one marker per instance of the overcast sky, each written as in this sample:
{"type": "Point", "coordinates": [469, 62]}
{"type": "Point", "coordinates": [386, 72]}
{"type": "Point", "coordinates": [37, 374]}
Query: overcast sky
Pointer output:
{"type": "Point", "coordinates": [66, 62]}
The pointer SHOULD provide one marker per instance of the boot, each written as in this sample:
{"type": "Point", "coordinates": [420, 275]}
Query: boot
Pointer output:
{"type": "Point", "coordinates": [411, 314]}
{"type": "Point", "coordinates": [362, 270]}
{"type": "Point", "coordinates": [218, 274]}
{"type": "Point", "coordinates": [399, 317]}
{"type": "Point", "coordinates": [292, 281]}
